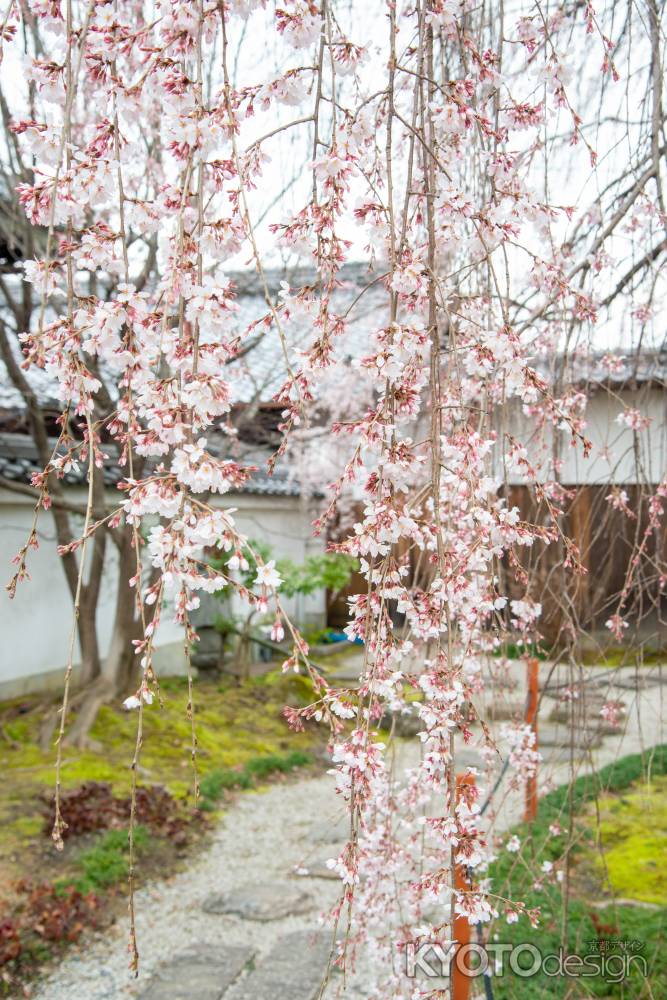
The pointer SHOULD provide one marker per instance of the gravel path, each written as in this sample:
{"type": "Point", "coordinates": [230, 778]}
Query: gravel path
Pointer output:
{"type": "Point", "coordinates": [262, 838]}
{"type": "Point", "coordinates": [255, 852]}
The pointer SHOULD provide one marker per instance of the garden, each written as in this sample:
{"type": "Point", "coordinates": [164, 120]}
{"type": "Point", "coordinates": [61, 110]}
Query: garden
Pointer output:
{"type": "Point", "coordinates": [333, 499]}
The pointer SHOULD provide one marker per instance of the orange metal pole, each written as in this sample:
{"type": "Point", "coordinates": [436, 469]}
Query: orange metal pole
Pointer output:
{"type": "Point", "coordinates": [460, 983]}
{"type": "Point", "coordinates": [531, 720]}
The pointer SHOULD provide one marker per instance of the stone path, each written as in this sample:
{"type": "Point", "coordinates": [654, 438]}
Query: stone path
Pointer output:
{"type": "Point", "coordinates": [240, 923]}
{"type": "Point", "coordinates": [292, 969]}
{"type": "Point", "coordinates": [266, 901]}
{"type": "Point", "coordinates": [243, 923]}
{"type": "Point", "coordinates": [204, 972]}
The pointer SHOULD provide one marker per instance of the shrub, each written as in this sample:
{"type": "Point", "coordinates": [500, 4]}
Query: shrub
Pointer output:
{"type": "Point", "coordinates": [212, 786]}
{"type": "Point", "coordinates": [585, 924]}
{"type": "Point", "coordinates": [222, 779]}
{"type": "Point", "coordinates": [47, 913]}
{"type": "Point", "coordinates": [107, 862]}
{"type": "Point", "coordinates": [92, 806]}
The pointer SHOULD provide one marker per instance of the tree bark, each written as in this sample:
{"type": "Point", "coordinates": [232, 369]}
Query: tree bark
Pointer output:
{"type": "Point", "coordinates": [88, 643]}
{"type": "Point", "coordinates": [116, 670]}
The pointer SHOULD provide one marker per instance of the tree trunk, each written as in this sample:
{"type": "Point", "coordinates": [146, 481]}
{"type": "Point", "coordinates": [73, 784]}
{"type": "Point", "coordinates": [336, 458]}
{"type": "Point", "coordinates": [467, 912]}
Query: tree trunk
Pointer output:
{"type": "Point", "coordinates": [89, 650]}
{"type": "Point", "coordinates": [117, 668]}
{"type": "Point", "coordinates": [88, 644]}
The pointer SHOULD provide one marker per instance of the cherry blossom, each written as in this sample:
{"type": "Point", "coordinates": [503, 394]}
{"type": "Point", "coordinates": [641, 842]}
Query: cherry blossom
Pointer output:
{"type": "Point", "coordinates": [426, 146]}
{"type": "Point", "coordinates": [268, 576]}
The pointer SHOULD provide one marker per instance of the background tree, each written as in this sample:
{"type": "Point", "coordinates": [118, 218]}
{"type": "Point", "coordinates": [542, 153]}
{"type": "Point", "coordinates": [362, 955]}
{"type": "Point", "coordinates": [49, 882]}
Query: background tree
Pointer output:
{"type": "Point", "coordinates": [100, 268]}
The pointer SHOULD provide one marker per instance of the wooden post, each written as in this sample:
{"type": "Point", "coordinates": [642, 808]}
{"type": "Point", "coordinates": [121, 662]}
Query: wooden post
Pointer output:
{"type": "Point", "coordinates": [459, 982]}
{"type": "Point", "coordinates": [533, 672]}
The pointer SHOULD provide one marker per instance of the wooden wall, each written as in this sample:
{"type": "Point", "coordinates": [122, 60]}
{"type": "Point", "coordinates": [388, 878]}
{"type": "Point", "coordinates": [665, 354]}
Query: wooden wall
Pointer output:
{"type": "Point", "coordinates": [607, 540]}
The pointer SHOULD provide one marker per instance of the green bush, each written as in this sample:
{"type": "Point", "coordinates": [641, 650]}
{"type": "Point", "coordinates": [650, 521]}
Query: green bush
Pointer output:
{"type": "Point", "coordinates": [221, 779]}
{"type": "Point", "coordinates": [107, 861]}
{"type": "Point", "coordinates": [513, 880]}
{"type": "Point", "coordinates": [518, 651]}
{"type": "Point", "coordinates": [212, 786]}
{"type": "Point", "coordinates": [262, 767]}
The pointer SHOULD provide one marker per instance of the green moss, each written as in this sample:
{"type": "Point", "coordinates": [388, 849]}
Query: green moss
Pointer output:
{"type": "Point", "coordinates": [18, 730]}
{"type": "Point", "coordinates": [262, 767]}
{"type": "Point", "coordinates": [610, 656]}
{"type": "Point", "coordinates": [624, 780]}
{"type": "Point", "coordinates": [633, 839]}
{"type": "Point", "coordinates": [26, 826]}
{"type": "Point", "coordinates": [514, 651]}
{"type": "Point", "coordinates": [622, 656]}
{"type": "Point", "coordinates": [88, 767]}
{"type": "Point", "coordinates": [234, 723]}
{"type": "Point", "coordinates": [299, 685]}
{"type": "Point", "coordinates": [219, 780]}
{"type": "Point", "coordinates": [214, 784]}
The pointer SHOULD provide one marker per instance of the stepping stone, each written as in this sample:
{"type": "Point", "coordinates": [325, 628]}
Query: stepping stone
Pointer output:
{"type": "Point", "coordinates": [552, 692]}
{"type": "Point", "coordinates": [404, 724]}
{"type": "Point", "coordinates": [591, 719]}
{"type": "Point", "coordinates": [317, 869]}
{"type": "Point", "coordinates": [501, 683]}
{"type": "Point", "coordinates": [202, 973]}
{"type": "Point", "coordinates": [501, 711]}
{"type": "Point", "coordinates": [600, 904]}
{"type": "Point", "coordinates": [467, 757]}
{"type": "Point", "coordinates": [630, 683]}
{"type": "Point", "coordinates": [560, 755]}
{"type": "Point", "coordinates": [266, 901]}
{"type": "Point", "coordinates": [293, 969]}
{"type": "Point", "coordinates": [346, 669]}
{"type": "Point", "coordinates": [606, 728]}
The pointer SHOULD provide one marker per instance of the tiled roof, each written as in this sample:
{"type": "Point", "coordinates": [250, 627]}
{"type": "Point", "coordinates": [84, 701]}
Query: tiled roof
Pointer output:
{"type": "Point", "coordinates": [261, 372]}
{"type": "Point", "coordinates": [279, 484]}
{"type": "Point", "coordinates": [630, 369]}
{"type": "Point", "coordinates": [18, 462]}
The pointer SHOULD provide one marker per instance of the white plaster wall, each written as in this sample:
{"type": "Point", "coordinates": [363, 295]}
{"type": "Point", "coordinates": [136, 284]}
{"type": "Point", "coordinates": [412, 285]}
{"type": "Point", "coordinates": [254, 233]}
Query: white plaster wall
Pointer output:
{"type": "Point", "coordinates": [612, 458]}
{"type": "Point", "coordinates": [284, 523]}
{"type": "Point", "coordinates": [35, 626]}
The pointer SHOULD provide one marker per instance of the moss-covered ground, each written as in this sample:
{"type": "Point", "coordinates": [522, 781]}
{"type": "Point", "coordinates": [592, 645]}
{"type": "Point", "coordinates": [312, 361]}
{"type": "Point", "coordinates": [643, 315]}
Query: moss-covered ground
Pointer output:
{"type": "Point", "coordinates": [631, 855]}
{"type": "Point", "coordinates": [236, 725]}
{"type": "Point", "coordinates": [624, 656]}
{"type": "Point", "coordinates": [243, 741]}
{"type": "Point", "coordinates": [617, 896]}
{"type": "Point", "coordinates": [604, 656]}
